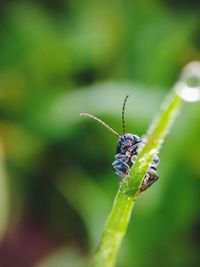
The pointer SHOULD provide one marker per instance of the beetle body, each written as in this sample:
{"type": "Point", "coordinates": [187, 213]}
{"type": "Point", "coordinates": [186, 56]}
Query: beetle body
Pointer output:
{"type": "Point", "coordinates": [125, 155]}
{"type": "Point", "coordinates": [127, 151]}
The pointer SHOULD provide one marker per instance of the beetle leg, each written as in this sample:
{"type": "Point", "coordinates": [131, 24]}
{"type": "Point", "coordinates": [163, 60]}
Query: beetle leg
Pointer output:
{"type": "Point", "coordinates": [119, 161]}
{"type": "Point", "coordinates": [121, 171]}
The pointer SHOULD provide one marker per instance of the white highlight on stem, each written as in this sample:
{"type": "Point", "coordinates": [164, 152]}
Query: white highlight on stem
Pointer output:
{"type": "Point", "coordinates": [188, 86]}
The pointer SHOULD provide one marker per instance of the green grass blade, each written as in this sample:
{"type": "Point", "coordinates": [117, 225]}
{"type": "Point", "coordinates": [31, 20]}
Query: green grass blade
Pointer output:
{"type": "Point", "coordinates": [119, 217]}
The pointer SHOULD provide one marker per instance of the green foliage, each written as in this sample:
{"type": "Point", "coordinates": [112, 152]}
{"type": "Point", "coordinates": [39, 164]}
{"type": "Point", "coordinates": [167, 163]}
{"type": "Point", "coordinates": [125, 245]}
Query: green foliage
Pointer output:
{"type": "Point", "coordinates": [60, 58]}
{"type": "Point", "coordinates": [4, 194]}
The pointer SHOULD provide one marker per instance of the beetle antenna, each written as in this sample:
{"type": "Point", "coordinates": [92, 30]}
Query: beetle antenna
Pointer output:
{"type": "Point", "coordinates": [123, 110]}
{"type": "Point", "coordinates": [99, 121]}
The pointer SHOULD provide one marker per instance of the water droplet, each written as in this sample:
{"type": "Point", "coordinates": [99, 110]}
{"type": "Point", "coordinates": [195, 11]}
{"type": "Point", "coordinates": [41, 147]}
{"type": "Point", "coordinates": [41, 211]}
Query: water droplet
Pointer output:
{"type": "Point", "coordinates": [188, 86]}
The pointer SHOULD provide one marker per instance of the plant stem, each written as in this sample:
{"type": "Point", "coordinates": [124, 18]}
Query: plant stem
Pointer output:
{"type": "Point", "coordinates": [119, 217]}
{"type": "Point", "coordinates": [126, 196]}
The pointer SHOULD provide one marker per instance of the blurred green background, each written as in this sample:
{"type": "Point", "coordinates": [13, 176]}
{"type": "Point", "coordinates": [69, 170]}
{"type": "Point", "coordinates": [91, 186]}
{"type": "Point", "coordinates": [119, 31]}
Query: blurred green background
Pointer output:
{"type": "Point", "coordinates": [60, 58]}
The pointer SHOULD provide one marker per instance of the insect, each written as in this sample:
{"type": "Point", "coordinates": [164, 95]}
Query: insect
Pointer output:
{"type": "Point", "coordinates": [128, 146]}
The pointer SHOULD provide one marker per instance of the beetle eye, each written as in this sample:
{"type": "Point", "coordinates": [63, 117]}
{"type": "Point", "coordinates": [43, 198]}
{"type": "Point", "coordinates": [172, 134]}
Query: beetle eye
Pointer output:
{"type": "Point", "coordinates": [129, 137]}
